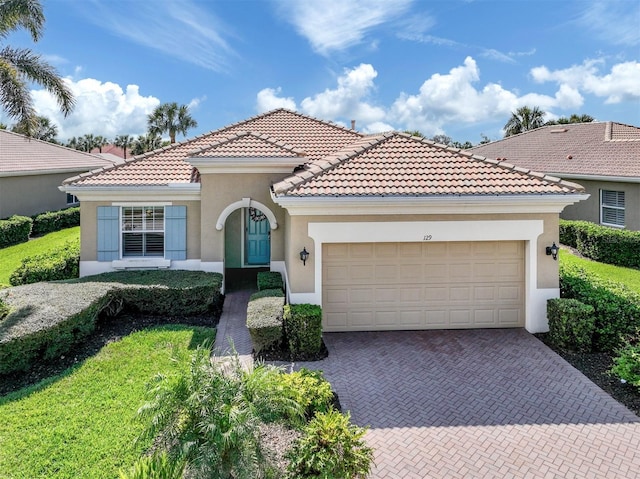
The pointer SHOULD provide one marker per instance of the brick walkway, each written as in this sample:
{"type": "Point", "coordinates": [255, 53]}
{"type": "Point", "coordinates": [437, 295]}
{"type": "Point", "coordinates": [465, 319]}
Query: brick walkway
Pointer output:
{"type": "Point", "coordinates": [469, 404]}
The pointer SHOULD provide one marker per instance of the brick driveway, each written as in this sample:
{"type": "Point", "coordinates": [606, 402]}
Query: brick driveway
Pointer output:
{"type": "Point", "coordinates": [476, 404]}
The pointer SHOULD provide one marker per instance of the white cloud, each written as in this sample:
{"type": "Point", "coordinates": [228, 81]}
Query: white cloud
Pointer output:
{"type": "Point", "coordinates": [334, 25]}
{"type": "Point", "coordinates": [376, 127]}
{"type": "Point", "coordinates": [101, 109]}
{"type": "Point", "coordinates": [268, 99]}
{"type": "Point", "coordinates": [614, 21]}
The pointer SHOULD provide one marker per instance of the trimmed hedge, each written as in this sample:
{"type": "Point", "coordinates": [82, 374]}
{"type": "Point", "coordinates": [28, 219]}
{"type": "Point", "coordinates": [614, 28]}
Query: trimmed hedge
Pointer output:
{"type": "Point", "coordinates": [48, 319]}
{"type": "Point", "coordinates": [61, 263]}
{"type": "Point", "coordinates": [571, 324]}
{"type": "Point", "coordinates": [616, 307]}
{"type": "Point", "coordinates": [15, 230]}
{"type": "Point", "coordinates": [269, 280]}
{"type": "Point", "coordinates": [264, 321]}
{"type": "Point", "coordinates": [303, 329]}
{"type": "Point", "coordinates": [55, 221]}
{"type": "Point", "coordinates": [601, 243]}
{"type": "Point", "coordinates": [267, 293]}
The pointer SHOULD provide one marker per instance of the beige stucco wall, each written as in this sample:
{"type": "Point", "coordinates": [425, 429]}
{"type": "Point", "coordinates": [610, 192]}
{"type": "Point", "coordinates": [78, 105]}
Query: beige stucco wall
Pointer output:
{"type": "Point", "coordinates": [301, 277]}
{"type": "Point", "coordinates": [589, 210]}
{"type": "Point", "coordinates": [219, 190]}
{"type": "Point", "coordinates": [31, 195]}
{"type": "Point", "coordinates": [233, 240]}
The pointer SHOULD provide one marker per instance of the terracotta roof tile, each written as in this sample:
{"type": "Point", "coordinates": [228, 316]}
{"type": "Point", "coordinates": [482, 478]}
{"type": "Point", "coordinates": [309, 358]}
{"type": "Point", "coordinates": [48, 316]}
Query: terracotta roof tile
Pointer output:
{"type": "Point", "coordinates": [248, 144]}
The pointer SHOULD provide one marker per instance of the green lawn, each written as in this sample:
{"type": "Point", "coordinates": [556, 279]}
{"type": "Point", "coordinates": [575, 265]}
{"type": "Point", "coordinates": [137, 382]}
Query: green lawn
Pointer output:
{"type": "Point", "coordinates": [82, 424]}
{"type": "Point", "coordinates": [628, 276]}
{"type": "Point", "coordinates": [11, 257]}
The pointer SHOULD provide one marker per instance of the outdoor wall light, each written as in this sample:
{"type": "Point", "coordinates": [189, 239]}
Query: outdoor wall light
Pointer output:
{"type": "Point", "coordinates": [304, 255]}
{"type": "Point", "coordinates": [553, 250]}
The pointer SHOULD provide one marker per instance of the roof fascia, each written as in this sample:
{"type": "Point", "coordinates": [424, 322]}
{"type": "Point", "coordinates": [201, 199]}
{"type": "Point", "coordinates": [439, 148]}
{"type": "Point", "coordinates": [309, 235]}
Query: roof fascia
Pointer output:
{"type": "Point", "coordinates": [619, 179]}
{"type": "Point", "coordinates": [171, 192]}
{"type": "Point", "coordinates": [78, 169]}
{"type": "Point", "coordinates": [246, 164]}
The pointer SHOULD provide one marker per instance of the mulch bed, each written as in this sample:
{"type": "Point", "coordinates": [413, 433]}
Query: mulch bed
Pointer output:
{"type": "Point", "coordinates": [282, 354]}
{"type": "Point", "coordinates": [107, 331]}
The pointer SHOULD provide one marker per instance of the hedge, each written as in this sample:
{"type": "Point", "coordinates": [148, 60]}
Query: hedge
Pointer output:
{"type": "Point", "coordinates": [571, 324]}
{"type": "Point", "coordinates": [616, 307]}
{"type": "Point", "coordinates": [55, 221]}
{"type": "Point", "coordinates": [269, 280]}
{"type": "Point", "coordinates": [48, 319]}
{"type": "Point", "coordinates": [264, 321]}
{"type": "Point", "coordinates": [60, 263]}
{"type": "Point", "coordinates": [267, 293]}
{"type": "Point", "coordinates": [15, 230]}
{"type": "Point", "coordinates": [303, 330]}
{"type": "Point", "coordinates": [601, 243]}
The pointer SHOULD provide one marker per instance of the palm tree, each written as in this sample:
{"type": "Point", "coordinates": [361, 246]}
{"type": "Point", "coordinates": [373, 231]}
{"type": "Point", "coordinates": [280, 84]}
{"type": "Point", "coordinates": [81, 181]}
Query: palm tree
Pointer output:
{"type": "Point", "coordinates": [124, 142]}
{"type": "Point", "coordinates": [44, 130]}
{"type": "Point", "coordinates": [99, 142]}
{"type": "Point", "coordinates": [171, 118]}
{"type": "Point", "coordinates": [563, 120]}
{"type": "Point", "coordinates": [144, 143]}
{"type": "Point", "coordinates": [524, 119]}
{"type": "Point", "coordinates": [20, 66]}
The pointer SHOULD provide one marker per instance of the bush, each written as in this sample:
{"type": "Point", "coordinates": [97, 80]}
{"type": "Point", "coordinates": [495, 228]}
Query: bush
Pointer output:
{"type": "Point", "coordinates": [264, 321]}
{"type": "Point", "coordinates": [4, 310]}
{"type": "Point", "coordinates": [627, 362]}
{"type": "Point", "coordinates": [303, 330]}
{"type": "Point", "coordinates": [269, 280]}
{"type": "Point", "coordinates": [616, 308]}
{"type": "Point", "coordinates": [55, 221]}
{"type": "Point", "coordinates": [156, 466]}
{"type": "Point", "coordinates": [309, 389]}
{"type": "Point", "coordinates": [267, 293]}
{"type": "Point", "coordinates": [61, 263]}
{"type": "Point", "coordinates": [571, 324]}
{"type": "Point", "coordinates": [15, 230]}
{"type": "Point", "coordinates": [331, 448]}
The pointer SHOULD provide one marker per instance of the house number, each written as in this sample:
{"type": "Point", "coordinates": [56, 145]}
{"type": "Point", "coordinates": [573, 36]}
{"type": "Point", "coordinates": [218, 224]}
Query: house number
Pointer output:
{"type": "Point", "coordinates": [427, 238]}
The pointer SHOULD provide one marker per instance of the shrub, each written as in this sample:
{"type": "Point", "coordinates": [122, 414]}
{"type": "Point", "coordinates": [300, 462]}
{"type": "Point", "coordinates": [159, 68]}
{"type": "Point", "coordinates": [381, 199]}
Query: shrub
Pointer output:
{"type": "Point", "coordinates": [626, 365]}
{"type": "Point", "coordinates": [303, 329]}
{"type": "Point", "coordinates": [4, 310]}
{"type": "Point", "coordinates": [616, 308]}
{"type": "Point", "coordinates": [61, 263]}
{"type": "Point", "coordinates": [156, 466]}
{"type": "Point", "coordinates": [264, 321]}
{"type": "Point", "coordinates": [330, 448]}
{"type": "Point", "coordinates": [571, 324]}
{"type": "Point", "coordinates": [267, 293]}
{"type": "Point", "coordinates": [309, 389]}
{"type": "Point", "coordinates": [269, 280]}
{"type": "Point", "coordinates": [15, 230]}
{"type": "Point", "coordinates": [55, 221]}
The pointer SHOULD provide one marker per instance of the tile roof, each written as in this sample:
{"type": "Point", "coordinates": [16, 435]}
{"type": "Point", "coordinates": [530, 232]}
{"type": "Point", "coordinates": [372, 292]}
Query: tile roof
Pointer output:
{"type": "Point", "coordinates": [300, 133]}
{"type": "Point", "coordinates": [20, 154]}
{"type": "Point", "coordinates": [397, 164]}
{"type": "Point", "coordinates": [592, 149]}
{"type": "Point", "coordinates": [248, 144]}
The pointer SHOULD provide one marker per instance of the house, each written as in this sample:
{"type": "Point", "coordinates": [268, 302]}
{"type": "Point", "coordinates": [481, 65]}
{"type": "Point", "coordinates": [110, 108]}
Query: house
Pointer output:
{"type": "Point", "coordinates": [401, 233]}
{"type": "Point", "coordinates": [32, 170]}
{"type": "Point", "coordinates": [604, 157]}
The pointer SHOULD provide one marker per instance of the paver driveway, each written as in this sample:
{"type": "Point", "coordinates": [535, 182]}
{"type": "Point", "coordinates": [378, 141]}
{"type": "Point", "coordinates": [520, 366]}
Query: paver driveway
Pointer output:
{"type": "Point", "coordinates": [481, 403]}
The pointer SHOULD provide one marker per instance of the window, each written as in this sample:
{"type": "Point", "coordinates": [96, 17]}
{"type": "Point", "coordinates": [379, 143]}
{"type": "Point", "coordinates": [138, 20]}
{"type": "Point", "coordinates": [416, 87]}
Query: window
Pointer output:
{"type": "Point", "coordinates": [72, 199]}
{"type": "Point", "coordinates": [612, 208]}
{"type": "Point", "coordinates": [143, 231]}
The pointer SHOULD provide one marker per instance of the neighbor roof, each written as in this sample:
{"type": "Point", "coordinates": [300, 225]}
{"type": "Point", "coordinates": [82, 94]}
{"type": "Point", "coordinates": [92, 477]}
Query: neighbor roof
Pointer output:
{"type": "Point", "coordinates": [247, 145]}
{"type": "Point", "coordinates": [299, 133]}
{"type": "Point", "coordinates": [397, 164]}
{"type": "Point", "coordinates": [590, 149]}
{"type": "Point", "coordinates": [23, 155]}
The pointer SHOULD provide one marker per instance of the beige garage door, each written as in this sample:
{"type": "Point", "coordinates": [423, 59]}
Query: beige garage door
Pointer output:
{"type": "Point", "coordinates": [383, 286]}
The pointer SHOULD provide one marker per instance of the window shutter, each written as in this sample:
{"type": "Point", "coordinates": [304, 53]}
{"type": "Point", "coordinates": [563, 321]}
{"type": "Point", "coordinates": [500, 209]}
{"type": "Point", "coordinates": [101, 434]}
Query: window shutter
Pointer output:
{"type": "Point", "coordinates": [108, 233]}
{"type": "Point", "coordinates": [175, 241]}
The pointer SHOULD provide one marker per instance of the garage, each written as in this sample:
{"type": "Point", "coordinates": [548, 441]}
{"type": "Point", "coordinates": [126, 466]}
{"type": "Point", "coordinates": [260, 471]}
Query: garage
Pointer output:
{"type": "Point", "coordinates": [426, 285]}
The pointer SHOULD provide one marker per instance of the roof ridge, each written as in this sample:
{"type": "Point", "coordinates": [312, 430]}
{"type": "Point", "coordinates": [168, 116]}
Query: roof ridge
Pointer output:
{"type": "Point", "coordinates": [54, 145]}
{"type": "Point", "coordinates": [256, 134]}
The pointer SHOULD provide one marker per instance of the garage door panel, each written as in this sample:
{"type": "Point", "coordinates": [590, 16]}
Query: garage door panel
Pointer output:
{"type": "Point", "coordinates": [410, 250]}
{"type": "Point", "coordinates": [386, 250]}
{"type": "Point", "coordinates": [484, 318]}
{"type": "Point", "coordinates": [361, 296]}
{"type": "Point", "coordinates": [510, 317]}
{"type": "Point", "coordinates": [415, 319]}
{"type": "Point", "coordinates": [386, 273]}
{"type": "Point", "coordinates": [361, 250]}
{"type": "Point", "coordinates": [411, 294]}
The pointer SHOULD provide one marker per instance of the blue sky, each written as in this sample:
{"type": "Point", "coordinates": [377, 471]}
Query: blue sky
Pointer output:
{"type": "Point", "coordinates": [452, 67]}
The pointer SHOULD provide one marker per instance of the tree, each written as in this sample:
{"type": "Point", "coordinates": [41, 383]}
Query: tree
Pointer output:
{"type": "Point", "coordinates": [20, 66]}
{"type": "Point", "coordinates": [442, 139]}
{"type": "Point", "coordinates": [124, 142]}
{"type": "Point", "coordinates": [171, 118]}
{"type": "Point", "coordinates": [99, 142]}
{"type": "Point", "coordinates": [44, 130]}
{"type": "Point", "coordinates": [463, 146]}
{"type": "Point", "coordinates": [144, 143]}
{"type": "Point", "coordinates": [524, 119]}
{"type": "Point", "coordinates": [417, 133]}
{"type": "Point", "coordinates": [563, 120]}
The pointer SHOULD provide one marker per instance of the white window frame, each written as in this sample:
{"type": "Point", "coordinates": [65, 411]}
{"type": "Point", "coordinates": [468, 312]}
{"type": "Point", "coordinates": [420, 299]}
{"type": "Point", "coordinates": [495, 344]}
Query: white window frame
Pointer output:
{"type": "Point", "coordinates": [74, 199]}
{"type": "Point", "coordinates": [616, 207]}
{"type": "Point", "coordinates": [143, 230]}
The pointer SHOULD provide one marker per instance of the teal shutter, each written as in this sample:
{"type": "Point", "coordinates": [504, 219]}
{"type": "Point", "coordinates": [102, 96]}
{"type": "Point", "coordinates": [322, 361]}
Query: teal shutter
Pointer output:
{"type": "Point", "coordinates": [175, 232]}
{"type": "Point", "coordinates": [108, 233]}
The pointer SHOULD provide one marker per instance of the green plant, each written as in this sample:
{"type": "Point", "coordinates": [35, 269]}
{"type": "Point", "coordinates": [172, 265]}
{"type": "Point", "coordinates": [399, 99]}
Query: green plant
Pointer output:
{"type": "Point", "coordinates": [156, 466]}
{"type": "Point", "coordinates": [264, 321]}
{"type": "Point", "coordinates": [267, 293]}
{"type": "Point", "coordinates": [60, 263]}
{"type": "Point", "coordinates": [14, 230]}
{"type": "Point", "coordinates": [303, 329]}
{"type": "Point", "coordinates": [626, 365]}
{"type": "Point", "coordinates": [269, 280]}
{"type": "Point", "coordinates": [331, 448]}
{"type": "Point", "coordinates": [55, 221]}
{"type": "Point", "coordinates": [4, 310]}
{"type": "Point", "coordinates": [309, 389]}
{"type": "Point", "coordinates": [571, 324]}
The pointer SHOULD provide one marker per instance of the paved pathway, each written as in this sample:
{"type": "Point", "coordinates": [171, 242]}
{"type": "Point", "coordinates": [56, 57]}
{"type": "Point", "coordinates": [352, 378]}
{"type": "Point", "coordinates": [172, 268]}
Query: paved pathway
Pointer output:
{"type": "Point", "coordinates": [475, 404]}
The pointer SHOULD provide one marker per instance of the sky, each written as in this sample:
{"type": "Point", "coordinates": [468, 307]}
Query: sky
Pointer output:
{"type": "Point", "coordinates": [449, 67]}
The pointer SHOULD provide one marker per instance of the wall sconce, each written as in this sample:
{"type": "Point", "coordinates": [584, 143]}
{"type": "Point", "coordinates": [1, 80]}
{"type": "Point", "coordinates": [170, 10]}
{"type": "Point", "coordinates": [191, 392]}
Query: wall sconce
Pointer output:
{"type": "Point", "coordinates": [553, 250]}
{"type": "Point", "coordinates": [304, 255]}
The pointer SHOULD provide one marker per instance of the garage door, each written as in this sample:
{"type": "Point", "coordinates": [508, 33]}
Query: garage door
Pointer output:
{"type": "Point", "coordinates": [384, 286]}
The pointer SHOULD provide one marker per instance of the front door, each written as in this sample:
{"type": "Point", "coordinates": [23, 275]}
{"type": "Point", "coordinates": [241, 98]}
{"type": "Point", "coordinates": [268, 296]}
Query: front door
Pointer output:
{"type": "Point", "coordinates": [257, 238]}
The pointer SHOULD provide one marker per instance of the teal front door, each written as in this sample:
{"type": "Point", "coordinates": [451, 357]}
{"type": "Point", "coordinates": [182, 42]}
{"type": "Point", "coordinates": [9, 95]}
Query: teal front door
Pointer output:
{"type": "Point", "coordinates": [257, 238]}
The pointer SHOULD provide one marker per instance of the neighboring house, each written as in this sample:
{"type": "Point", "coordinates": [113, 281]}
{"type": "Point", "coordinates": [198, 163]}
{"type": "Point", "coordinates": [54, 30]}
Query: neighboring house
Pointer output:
{"type": "Point", "coordinates": [113, 150]}
{"type": "Point", "coordinates": [401, 233]}
{"type": "Point", "coordinates": [603, 157]}
{"type": "Point", "coordinates": [31, 172]}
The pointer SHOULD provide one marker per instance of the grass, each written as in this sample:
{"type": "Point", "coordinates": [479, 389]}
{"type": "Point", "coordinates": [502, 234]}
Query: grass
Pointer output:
{"type": "Point", "coordinates": [628, 276]}
{"type": "Point", "coordinates": [11, 257]}
{"type": "Point", "coordinates": [83, 423]}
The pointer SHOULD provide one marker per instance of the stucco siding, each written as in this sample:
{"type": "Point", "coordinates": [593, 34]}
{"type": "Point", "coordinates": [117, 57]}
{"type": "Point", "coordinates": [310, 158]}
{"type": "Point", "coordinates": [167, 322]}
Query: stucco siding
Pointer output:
{"type": "Point", "coordinates": [31, 195]}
